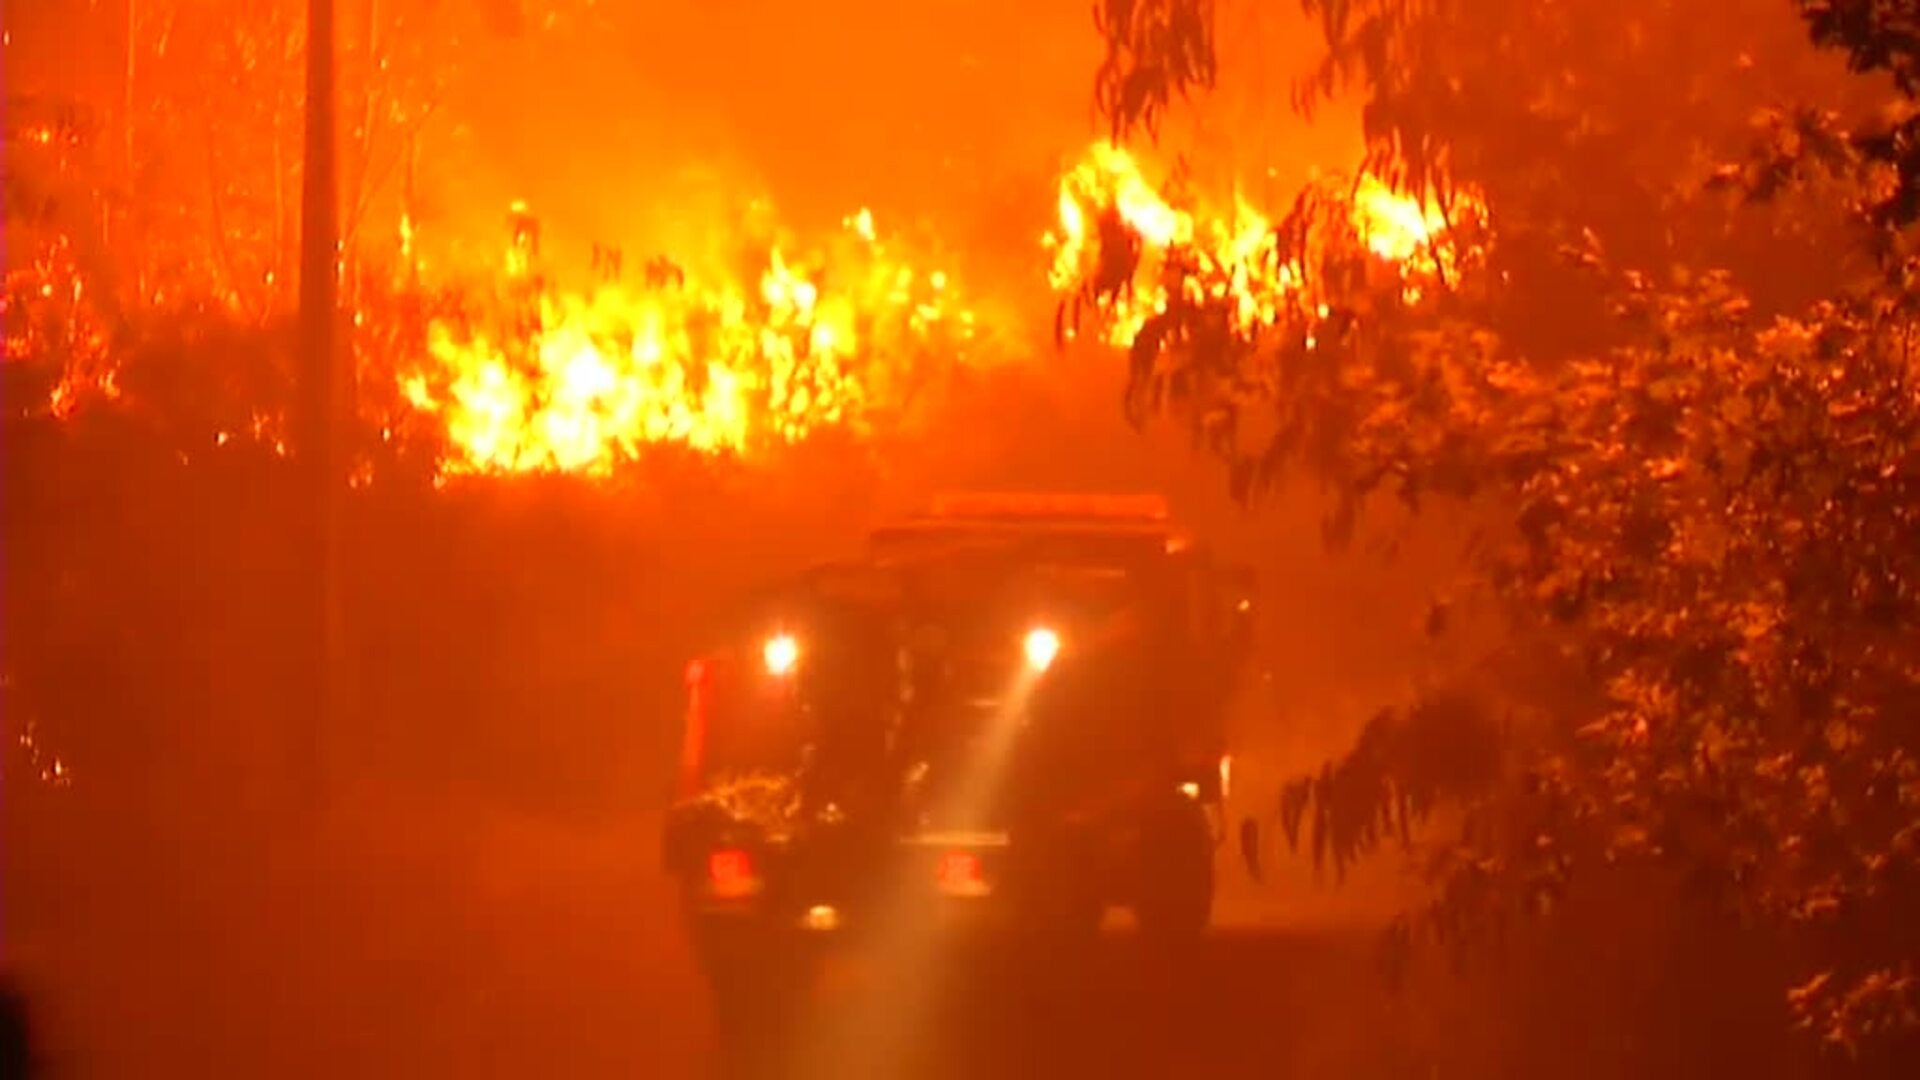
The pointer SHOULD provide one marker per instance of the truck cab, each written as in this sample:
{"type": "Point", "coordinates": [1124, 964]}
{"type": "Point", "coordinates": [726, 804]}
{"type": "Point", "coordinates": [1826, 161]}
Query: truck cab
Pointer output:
{"type": "Point", "coordinates": [1009, 706]}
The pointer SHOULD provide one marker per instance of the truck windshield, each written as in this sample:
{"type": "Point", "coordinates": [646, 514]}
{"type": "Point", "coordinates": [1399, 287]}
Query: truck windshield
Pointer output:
{"type": "Point", "coordinates": [1039, 543]}
{"type": "Point", "coordinates": [1022, 588]}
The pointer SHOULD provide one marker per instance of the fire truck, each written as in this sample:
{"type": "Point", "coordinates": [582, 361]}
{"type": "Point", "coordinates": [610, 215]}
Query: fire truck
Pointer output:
{"type": "Point", "coordinates": [1008, 710]}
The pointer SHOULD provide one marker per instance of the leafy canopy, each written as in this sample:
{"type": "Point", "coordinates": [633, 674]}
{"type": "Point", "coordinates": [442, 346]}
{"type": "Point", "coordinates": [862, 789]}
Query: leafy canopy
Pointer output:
{"type": "Point", "coordinates": [1695, 418]}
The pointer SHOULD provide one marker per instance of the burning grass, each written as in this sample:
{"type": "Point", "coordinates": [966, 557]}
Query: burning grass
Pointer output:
{"type": "Point", "coordinates": [575, 382]}
{"type": "Point", "coordinates": [513, 372]}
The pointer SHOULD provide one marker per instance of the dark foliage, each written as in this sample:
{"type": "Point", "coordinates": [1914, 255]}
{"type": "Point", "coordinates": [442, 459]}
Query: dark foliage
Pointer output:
{"type": "Point", "coordinates": [1706, 476]}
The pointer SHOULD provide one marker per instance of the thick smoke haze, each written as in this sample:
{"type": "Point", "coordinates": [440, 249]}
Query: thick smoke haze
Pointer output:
{"type": "Point", "coordinates": [526, 645]}
{"type": "Point", "coordinates": [655, 127]}
{"type": "Point", "coordinates": [654, 124]}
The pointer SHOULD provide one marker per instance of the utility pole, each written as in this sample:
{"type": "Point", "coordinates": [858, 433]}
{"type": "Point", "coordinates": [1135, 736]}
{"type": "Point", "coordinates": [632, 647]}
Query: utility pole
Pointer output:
{"type": "Point", "coordinates": [127, 112]}
{"type": "Point", "coordinates": [323, 382]}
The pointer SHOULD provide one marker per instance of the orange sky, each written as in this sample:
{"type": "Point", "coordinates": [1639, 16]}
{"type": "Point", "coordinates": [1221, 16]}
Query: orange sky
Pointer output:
{"type": "Point", "coordinates": [958, 108]}
{"type": "Point", "coordinates": [647, 124]}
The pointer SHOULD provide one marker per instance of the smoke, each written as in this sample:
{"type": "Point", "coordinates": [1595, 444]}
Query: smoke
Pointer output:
{"type": "Point", "coordinates": [652, 125]}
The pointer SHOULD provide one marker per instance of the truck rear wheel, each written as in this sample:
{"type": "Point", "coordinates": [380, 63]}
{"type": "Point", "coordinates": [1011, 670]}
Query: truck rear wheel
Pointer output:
{"type": "Point", "coordinates": [756, 975]}
{"type": "Point", "coordinates": [1174, 897]}
{"type": "Point", "coordinates": [1057, 887]}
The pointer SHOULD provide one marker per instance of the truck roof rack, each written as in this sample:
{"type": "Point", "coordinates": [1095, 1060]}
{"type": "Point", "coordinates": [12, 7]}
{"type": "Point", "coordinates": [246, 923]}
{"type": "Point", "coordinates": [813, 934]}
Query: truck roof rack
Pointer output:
{"type": "Point", "coordinates": [961, 520]}
{"type": "Point", "coordinates": [1043, 507]}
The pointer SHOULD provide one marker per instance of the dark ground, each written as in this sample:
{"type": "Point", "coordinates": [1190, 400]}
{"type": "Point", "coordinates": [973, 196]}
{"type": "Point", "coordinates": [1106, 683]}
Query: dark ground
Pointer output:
{"type": "Point", "coordinates": [474, 945]}
{"type": "Point", "coordinates": [483, 899]}
{"type": "Point", "coordinates": [1264, 1003]}
{"type": "Point", "coordinates": [558, 955]}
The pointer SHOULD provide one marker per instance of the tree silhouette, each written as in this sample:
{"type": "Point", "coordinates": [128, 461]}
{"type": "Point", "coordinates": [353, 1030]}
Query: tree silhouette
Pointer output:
{"type": "Point", "coordinates": [1692, 417]}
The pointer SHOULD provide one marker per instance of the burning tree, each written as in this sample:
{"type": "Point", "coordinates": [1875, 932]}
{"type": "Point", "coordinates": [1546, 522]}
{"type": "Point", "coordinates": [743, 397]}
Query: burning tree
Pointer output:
{"type": "Point", "coordinates": [188, 167]}
{"type": "Point", "coordinates": [1690, 414]}
{"type": "Point", "coordinates": [482, 369]}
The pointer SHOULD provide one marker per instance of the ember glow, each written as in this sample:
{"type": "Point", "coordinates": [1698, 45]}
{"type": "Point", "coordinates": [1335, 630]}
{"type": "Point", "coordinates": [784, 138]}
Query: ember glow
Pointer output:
{"type": "Point", "coordinates": [1124, 242]}
{"type": "Point", "coordinates": [46, 314]}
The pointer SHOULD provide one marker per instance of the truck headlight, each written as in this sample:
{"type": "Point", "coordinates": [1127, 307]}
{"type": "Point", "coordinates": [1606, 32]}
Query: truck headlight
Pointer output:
{"type": "Point", "coordinates": [1041, 646]}
{"type": "Point", "coordinates": [780, 654]}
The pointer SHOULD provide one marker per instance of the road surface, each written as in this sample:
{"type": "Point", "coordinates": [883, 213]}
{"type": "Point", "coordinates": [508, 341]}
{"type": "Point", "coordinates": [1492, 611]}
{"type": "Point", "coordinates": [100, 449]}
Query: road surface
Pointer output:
{"type": "Point", "coordinates": [456, 944]}
{"type": "Point", "coordinates": [1248, 1003]}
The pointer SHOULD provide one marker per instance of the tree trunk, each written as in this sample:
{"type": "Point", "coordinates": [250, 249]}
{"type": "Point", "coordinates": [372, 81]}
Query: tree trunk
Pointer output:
{"type": "Point", "coordinates": [325, 389]}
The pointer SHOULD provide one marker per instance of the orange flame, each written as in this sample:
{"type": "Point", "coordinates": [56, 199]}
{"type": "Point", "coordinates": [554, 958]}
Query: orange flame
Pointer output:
{"type": "Point", "coordinates": [1233, 259]}
{"type": "Point", "coordinates": [593, 378]}
{"type": "Point", "coordinates": [580, 381]}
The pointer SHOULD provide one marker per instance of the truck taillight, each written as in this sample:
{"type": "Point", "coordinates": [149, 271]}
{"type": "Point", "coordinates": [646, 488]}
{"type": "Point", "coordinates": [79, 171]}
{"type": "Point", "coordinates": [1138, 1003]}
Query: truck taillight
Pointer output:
{"type": "Point", "coordinates": [730, 872]}
{"type": "Point", "coordinates": [959, 872]}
